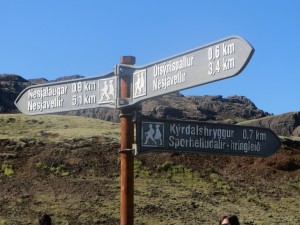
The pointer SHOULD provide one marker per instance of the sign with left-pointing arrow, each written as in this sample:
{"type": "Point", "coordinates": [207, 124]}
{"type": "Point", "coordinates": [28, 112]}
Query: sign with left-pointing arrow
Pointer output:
{"type": "Point", "coordinates": [85, 93]}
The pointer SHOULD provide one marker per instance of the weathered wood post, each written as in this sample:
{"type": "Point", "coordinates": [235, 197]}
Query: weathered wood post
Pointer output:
{"type": "Point", "coordinates": [126, 153]}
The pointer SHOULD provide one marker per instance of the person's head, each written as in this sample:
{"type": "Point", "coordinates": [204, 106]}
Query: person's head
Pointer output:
{"type": "Point", "coordinates": [44, 219]}
{"type": "Point", "coordinates": [229, 220]}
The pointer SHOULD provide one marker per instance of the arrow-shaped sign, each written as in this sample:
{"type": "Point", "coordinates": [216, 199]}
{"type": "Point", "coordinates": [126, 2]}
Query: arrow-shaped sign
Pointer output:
{"type": "Point", "coordinates": [69, 95]}
{"type": "Point", "coordinates": [216, 61]}
{"type": "Point", "coordinates": [153, 135]}
{"type": "Point", "coordinates": [220, 60]}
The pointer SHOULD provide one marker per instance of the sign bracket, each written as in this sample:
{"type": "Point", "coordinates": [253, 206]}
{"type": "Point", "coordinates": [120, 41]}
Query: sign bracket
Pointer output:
{"type": "Point", "coordinates": [122, 102]}
{"type": "Point", "coordinates": [127, 151]}
{"type": "Point", "coordinates": [124, 70]}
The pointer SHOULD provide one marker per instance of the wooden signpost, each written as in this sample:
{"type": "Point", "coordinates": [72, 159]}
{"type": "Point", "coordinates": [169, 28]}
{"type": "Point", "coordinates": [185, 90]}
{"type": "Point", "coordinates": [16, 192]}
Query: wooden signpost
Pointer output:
{"type": "Point", "coordinates": [128, 85]}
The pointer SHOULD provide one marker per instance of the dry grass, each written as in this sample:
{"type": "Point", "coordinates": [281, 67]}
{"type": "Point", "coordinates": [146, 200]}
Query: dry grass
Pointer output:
{"type": "Point", "coordinates": [54, 127]}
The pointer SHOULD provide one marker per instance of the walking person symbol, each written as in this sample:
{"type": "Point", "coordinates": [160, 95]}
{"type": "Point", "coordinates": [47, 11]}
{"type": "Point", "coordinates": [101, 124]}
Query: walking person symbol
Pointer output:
{"type": "Point", "coordinates": [158, 135]}
{"type": "Point", "coordinates": [153, 135]}
{"type": "Point", "coordinates": [142, 83]}
{"type": "Point", "coordinates": [104, 91]}
{"type": "Point", "coordinates": [139, 84]}
{"type": "Point", "coordinates": [111, 90]}
{"type": "Point", "coordinates": [149, 135]}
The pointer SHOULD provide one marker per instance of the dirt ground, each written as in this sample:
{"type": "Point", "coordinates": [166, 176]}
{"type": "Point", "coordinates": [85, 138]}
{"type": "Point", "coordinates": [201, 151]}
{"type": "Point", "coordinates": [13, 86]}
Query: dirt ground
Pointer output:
{"type": "Point", "coordinates": [77, 180]}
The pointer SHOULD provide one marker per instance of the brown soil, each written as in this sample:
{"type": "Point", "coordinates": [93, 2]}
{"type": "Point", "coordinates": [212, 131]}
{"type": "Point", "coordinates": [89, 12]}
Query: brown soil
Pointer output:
{"type": "Point", "coordinates": [73, 180]}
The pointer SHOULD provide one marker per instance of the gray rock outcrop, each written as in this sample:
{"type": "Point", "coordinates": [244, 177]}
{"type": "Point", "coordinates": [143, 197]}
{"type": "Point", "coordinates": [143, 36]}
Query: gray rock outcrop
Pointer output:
{"type": "Point", "coordinates": [287, 124]}
{"type": "Point", "coordinates": [10, 87]}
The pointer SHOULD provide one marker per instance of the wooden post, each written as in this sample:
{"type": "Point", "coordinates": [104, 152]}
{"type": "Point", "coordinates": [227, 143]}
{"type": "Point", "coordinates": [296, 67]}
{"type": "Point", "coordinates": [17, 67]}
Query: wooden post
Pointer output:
{"type": "Point", "coordinates": [126, 153]}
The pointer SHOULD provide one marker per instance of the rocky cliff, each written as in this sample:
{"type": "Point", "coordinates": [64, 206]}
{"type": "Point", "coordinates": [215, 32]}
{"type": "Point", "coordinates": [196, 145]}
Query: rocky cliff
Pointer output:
{"type": "Point", "coordinates": [10, 87]}
{"type": "Point", "coordinates": [203, 108]}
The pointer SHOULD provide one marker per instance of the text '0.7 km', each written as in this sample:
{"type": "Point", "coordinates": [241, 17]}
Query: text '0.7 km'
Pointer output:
{"type": "Point", "coordinates": [195, 137]}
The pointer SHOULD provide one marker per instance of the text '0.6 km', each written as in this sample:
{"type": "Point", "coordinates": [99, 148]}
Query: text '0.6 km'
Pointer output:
{"type": "Point", "coordinates": [216, 61]}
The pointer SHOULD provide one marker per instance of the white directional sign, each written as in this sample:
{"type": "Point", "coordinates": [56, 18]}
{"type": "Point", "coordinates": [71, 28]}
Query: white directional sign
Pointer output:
{"type": "Point", "coordinates": [155, 135]}
{"type": "Point", "coordinates": [69, 95]}
{"type": "Point", "coordinates": [216, 61]}
{"type": "Point", "coordinates": [213, 62]}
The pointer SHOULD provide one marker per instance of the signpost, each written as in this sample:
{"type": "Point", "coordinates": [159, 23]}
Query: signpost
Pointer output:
{"type": "Point", "coordinates": [128, 85]}
{"type": "Point", "coordinates": [126, 152]}
{"type": "Point", "coordinates": [216, 61]}
{"type": "Point", "coordinates": [153, 135]}
{"type": "Point", "coordinates": [85, 93]}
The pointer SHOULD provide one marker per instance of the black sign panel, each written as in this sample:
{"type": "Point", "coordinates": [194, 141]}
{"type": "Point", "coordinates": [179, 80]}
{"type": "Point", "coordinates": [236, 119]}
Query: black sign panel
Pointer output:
{"type": "Point", "coordinates": [198, 137]}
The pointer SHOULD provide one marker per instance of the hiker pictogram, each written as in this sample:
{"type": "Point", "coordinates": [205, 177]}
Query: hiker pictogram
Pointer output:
{"type": "Point", "coordinates": [139, 82]}
{"type": "Point", "coordinates": [107, 90]}
{"type": "Point", "coordinates": [153, 134]}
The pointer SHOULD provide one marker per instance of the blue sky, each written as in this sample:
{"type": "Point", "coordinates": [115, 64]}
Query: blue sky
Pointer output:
{"type": "Point", "coordinates": [54, 38]}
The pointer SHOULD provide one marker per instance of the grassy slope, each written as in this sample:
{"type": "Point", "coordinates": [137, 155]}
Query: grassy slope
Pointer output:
{"type": "Point", "coordinates": [169, 194]}
{"type": "Point", "coordinates": [61, 127]}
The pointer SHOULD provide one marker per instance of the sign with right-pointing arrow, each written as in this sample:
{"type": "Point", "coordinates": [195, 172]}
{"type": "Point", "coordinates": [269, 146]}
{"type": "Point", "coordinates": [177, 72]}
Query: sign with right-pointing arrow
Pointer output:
{"type": "Point", "coordinates": [216, 61]}
{"type": "Point", "coordinates": [155, 135]}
